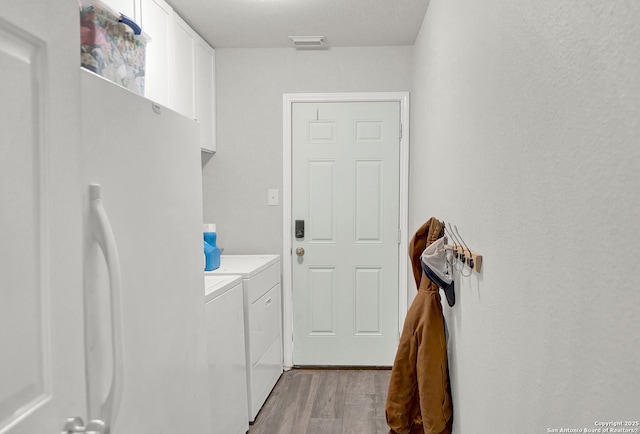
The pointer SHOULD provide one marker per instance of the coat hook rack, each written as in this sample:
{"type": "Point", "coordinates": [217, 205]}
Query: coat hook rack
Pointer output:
{"type": "Point", "coordinates": [475, 256]}
{"type": "Point", "coordinates": [462, 252]}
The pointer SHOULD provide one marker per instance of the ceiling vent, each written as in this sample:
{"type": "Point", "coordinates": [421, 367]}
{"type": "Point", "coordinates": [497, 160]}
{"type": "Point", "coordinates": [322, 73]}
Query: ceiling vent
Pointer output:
{"type": "Point", "coordinates": [306, 42]}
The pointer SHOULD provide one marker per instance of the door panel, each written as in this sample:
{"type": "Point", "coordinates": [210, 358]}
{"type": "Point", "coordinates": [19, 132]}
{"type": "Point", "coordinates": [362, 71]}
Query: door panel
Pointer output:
{"type": "Point", "coordinates": [22, 198]}
{"type": "Point", "coordinates": [41, 321]}
{"type": "Point", "coordinates": [345, 183]}
{"type": "Point", "coordinates": [368, 311]}
{"type": "Point", "coordinates": [368, 201]}
{"type": "Point", "coordinates": [322, 132]}
{"type": "Point", "coordinates": [321, 201]}
{"type": "Point", "coordinates": [321, 303]}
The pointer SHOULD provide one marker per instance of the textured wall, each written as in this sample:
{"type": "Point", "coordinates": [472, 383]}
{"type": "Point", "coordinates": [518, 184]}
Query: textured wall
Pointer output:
{"type": "Point", "coordinates": [526, 134]}
{"type": "Point", "coordinates": [250, 84]}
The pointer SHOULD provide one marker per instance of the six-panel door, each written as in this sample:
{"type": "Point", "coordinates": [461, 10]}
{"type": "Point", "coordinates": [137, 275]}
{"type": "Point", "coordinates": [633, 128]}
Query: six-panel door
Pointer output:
{"type": "Point", "coordinates": [346, 189]}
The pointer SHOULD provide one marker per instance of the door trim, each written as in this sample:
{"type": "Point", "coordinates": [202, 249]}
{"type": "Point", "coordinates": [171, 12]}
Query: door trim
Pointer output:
{"type": "Point", "coordinates": [287, 257]}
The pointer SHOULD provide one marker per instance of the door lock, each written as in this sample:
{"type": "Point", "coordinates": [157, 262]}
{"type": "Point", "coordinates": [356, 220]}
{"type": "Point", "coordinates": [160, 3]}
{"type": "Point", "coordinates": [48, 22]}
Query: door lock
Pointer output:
{"type": "Point", "coordinates": [299, 230]}
{"type": "Point", "coordinates": [299, 251]}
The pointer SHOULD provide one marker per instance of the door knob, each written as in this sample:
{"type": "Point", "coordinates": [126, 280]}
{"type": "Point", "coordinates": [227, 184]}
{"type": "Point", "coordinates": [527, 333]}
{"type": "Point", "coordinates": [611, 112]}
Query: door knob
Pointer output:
{"type": "Point", "coordinates": [299, 251]}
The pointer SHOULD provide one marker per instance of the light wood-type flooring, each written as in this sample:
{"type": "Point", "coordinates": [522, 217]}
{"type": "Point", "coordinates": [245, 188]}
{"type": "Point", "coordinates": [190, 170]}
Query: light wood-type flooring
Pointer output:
{"type": "Point", "coordinates": [326, 401]}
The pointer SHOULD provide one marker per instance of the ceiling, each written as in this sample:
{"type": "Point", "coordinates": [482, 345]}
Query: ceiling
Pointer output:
{"type": "Point", "coordinates": [268, 23]}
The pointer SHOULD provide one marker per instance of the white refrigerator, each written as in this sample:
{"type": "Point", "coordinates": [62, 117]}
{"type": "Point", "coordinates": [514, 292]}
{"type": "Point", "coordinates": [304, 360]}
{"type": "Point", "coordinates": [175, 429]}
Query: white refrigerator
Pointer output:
{"type": "Point", "coordinates": [145, 346]}
{"type": "Point", "coordinates": [101, 288]}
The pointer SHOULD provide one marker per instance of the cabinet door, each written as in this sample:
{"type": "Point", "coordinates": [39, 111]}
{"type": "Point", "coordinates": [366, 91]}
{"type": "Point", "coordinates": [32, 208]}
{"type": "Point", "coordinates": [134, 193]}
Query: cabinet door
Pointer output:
{"type": "Point", "coordinates": [182, 97]}
{"type": "Point", "coordinates": [206, 95]}
{"type": "Point", "coordinates": [125, 7]}
{"type": "Point", "coordinates": [156, 19]}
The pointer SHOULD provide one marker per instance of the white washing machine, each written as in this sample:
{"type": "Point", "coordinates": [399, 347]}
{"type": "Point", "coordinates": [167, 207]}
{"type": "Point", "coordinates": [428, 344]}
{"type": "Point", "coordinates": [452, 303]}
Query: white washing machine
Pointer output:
{"type": "Point", "coordinates": [262, 321]}
{"type": "Point", "coordinates": [224, 312]}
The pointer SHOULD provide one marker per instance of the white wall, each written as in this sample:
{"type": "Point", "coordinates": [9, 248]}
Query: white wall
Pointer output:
{"type": "Point", "coordinates": [526, 134]}
{"type": "Point", "coordinates": [249, 85]}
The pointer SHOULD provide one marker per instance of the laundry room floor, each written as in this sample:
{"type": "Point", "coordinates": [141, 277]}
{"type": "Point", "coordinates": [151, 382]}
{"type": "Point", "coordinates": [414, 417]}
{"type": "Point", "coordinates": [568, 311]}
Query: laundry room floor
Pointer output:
{"type": "Point", "coordinates": [326, 401]}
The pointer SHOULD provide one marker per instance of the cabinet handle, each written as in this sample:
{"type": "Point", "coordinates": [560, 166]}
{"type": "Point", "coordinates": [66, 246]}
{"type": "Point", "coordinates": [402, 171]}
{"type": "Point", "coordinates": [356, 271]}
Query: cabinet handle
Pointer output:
{"type": "Point", "coordinates": [267, 302]}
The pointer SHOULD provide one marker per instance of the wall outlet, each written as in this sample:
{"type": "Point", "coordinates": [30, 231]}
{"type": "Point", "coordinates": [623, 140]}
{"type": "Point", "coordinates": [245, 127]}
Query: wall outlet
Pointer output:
{"type": "Point", "coordinates": [272, 199]}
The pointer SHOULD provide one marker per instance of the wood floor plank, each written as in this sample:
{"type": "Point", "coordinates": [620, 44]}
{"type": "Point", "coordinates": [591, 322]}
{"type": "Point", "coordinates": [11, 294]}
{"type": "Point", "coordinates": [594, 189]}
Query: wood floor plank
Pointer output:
{"type": "Point", "coordinates": [381, 425]}
{"type": "Point", "coordinates": [293, 418]}
{"type": "Point", "coordinates": [381, 388]}
{"type": "Point", "coordinates": [274, 415]}
{"type": "Point", "coordinates": [302, 421]}
{"type": "Point", "coordinates": [359, 414]}
{"type": "Point", "coordinates": [325, 426]}
{"type": "Point", "coordinates": [267, 417]}
{"type": "Point", "coordinates": [361, 381]}
{"type": "Point", "coordinates": [325, 401]}
{"type": "Point", "coordinates": [329, 402]}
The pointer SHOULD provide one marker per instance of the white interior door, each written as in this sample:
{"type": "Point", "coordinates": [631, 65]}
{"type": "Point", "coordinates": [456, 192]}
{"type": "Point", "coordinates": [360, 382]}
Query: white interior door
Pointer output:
{"type": "Point", "coordinates": [41, 318]}
{"type": "Point", "coordinates": [345, 187]}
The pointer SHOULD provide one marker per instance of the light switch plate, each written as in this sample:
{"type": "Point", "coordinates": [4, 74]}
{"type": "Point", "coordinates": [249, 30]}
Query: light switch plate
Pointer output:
{"type": "Point", "coordinates": [272, 199]}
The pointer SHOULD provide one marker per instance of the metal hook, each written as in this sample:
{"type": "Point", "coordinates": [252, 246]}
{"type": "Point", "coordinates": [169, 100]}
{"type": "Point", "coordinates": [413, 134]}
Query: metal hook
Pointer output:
{"type": "Point", "coordinates": [458, 255]}
{"type": "Point", "coordinates": [457, 241]}
{"type": "Point", "coordinates": [447, 238]}
{"type": "Point", "coordinates": [468, 249]}
{"type": "Point", "coordinates": [450, 257]}
{"type": "Point", "coordinates": [462, 245]}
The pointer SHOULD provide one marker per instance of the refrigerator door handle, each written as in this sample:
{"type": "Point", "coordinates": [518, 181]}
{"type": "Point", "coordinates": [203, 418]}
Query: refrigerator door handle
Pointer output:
{"type": "Point", "coordinates": [102, 233]}
{"type": "Point", "coordinates": [75, 425]}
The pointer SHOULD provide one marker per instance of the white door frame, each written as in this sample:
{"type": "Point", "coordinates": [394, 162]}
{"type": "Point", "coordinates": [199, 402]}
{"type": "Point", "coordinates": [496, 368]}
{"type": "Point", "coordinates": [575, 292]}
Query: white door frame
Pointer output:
{"type": "Point", "coordinates": [287, 297]}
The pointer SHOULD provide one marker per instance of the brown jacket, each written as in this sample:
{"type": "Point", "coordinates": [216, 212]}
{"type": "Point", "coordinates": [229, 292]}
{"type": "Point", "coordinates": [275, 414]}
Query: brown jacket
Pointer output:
{"type": "Point", "coordinates": [419, 398]}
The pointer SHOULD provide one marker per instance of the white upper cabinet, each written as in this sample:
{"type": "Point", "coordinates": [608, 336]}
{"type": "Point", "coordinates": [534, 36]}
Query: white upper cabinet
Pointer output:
{"type": "Point", "coordinates": [180, 65]}
{"type": "Point", "coordinates": [183, 77]}
{"type": "Point", "coordinates": [156, 19]}
{"type": "Point", "coordinates": [205, 95]}
{"type": "Point", "coordinates": [126, 7]}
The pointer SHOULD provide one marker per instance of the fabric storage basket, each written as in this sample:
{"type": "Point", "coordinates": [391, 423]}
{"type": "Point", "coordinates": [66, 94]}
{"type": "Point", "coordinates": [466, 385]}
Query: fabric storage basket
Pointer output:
{"type": "Point", "coordinates": [112, 45]}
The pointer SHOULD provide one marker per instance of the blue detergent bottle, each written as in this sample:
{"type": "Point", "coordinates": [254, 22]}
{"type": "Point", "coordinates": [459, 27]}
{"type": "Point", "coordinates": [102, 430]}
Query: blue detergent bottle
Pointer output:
{"type": "Point", "coordinates": [211, 250]}
{"type": "Point", "coordinates": [208, 250]}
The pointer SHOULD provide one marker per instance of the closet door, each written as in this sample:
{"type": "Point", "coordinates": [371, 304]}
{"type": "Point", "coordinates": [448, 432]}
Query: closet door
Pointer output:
{"type": "Point", "coordinates": [41, 320]}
